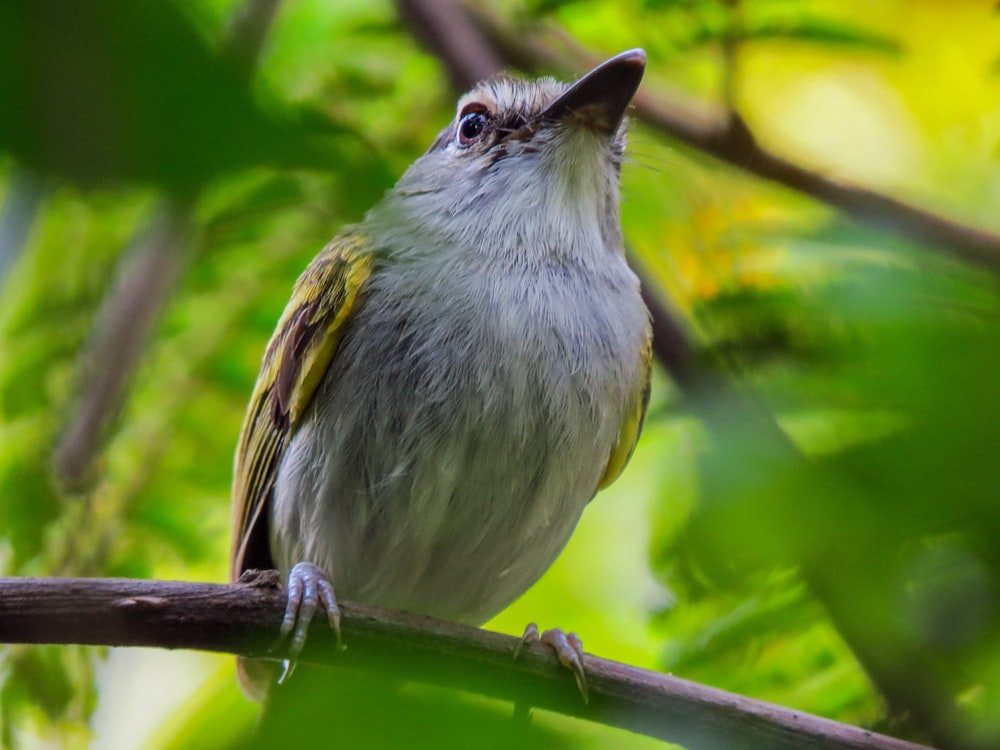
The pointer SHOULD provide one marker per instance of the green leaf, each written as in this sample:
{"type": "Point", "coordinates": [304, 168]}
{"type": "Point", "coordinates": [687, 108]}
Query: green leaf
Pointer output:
{"type": "Point", "coordinates": [125, 91]}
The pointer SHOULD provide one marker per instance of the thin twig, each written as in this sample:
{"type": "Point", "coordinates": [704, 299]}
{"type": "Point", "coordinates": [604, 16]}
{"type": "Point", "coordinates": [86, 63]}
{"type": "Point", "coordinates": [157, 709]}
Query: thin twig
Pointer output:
{"type": "Point", "coordinates": [732, 40]}
{"type": "Point", "coordinates": [243, 619]}
{"type": "Point", "coordinates": [248, 30]}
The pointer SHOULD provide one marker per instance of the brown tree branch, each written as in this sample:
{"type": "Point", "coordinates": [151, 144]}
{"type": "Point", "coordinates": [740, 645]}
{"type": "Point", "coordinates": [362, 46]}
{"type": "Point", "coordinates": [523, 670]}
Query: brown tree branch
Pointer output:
{"type": "Point", "coordinates": [247, 35]}
{"type": "Point", "coordinates": [467, 55]}
{"type": "Point", "coordinates": [243, 619]}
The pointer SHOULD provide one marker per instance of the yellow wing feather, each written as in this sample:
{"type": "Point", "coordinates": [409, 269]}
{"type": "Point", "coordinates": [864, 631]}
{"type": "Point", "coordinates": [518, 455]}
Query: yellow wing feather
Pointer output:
{"type": "Point", "coordinates": [632, 426]}
{"type": "Point", "coordinates": [297, 357]}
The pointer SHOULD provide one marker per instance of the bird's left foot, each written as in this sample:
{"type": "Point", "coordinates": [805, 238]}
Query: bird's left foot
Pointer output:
{"type": "Point", "coordinates": [568, 647]}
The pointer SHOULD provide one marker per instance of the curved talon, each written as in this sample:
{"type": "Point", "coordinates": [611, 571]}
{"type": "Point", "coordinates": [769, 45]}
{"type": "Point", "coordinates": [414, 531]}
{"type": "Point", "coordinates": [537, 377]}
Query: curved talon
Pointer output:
{"type": "Point", "coordinates": [308, 588]}
{"type": "Point", "coordinates": [568, 648]}
{"type": "Point", "coordinates": [287, 667]}
{"type": "Point", "coordinates": [326, 596]}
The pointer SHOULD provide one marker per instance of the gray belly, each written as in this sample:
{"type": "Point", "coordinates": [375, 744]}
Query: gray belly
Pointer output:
{"type": "Point", "coordinates": [446, 459]}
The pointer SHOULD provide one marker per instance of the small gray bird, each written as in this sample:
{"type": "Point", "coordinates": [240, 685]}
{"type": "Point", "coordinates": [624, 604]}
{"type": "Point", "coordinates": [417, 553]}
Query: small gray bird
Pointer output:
{"type": "Point", "coordinates": [454, 378]}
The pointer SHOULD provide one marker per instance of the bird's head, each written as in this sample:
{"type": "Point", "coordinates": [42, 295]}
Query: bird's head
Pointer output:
{"type": "Point", "coordinates": [532, 165]}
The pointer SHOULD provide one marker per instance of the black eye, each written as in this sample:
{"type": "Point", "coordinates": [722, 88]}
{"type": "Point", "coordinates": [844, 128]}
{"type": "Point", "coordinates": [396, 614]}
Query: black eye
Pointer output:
{"type": "Point", "coordinates": [471, 125]}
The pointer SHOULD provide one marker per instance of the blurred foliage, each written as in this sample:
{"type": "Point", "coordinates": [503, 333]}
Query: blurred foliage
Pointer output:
{"type": "Point", "coordinates": [97, 99]}
{"type": "Point", "coordinates": [827, 541]}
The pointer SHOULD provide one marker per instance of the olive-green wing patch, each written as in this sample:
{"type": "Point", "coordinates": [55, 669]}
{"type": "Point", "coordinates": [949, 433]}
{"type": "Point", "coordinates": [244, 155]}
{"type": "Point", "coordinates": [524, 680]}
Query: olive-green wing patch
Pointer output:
{"type": "Point", "coordinates": [296, 359]}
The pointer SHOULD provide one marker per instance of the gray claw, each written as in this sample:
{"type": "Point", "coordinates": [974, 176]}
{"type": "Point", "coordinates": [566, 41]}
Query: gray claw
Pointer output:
{"type": "Point", "coordinates": [568, 647]}
{"type": "Point", "coordinates": [308, 588]}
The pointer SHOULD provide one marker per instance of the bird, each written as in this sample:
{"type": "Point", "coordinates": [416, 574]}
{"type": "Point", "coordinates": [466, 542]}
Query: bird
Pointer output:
{"type": "Point", "coordinates": [456, 376]}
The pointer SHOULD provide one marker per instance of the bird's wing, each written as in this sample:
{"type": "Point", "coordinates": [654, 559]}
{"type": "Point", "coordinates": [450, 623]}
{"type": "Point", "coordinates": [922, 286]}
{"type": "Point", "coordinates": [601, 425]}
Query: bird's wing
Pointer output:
{"type": "Point", "coordinates": [632, 424]}
{"type": "Point", "coordinates": [296, 359]}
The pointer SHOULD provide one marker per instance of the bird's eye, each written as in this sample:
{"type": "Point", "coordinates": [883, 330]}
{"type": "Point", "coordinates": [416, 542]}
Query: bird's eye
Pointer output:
{"type": "Point", "coordinates": [472, 124]}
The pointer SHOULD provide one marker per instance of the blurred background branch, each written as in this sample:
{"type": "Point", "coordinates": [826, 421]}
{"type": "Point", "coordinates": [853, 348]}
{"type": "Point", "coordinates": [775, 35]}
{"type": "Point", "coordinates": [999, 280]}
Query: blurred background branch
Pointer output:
{"type": "Point", "coordinates": [147, 277]}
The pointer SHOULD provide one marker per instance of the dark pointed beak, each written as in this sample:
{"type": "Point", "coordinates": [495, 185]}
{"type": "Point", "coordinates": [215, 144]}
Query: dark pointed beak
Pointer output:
{"type": "Point", "coordinates": [600, 98]}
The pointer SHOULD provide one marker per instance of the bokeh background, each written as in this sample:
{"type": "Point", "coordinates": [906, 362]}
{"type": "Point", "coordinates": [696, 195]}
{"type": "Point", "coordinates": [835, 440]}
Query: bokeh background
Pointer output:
{"type": "Point", "coordinates": [812, 516]}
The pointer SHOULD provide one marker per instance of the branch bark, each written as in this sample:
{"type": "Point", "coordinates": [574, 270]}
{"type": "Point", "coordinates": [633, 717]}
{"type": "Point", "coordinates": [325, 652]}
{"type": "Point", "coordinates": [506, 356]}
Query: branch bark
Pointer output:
{"type": "Point", "coordinates": [243, 619]}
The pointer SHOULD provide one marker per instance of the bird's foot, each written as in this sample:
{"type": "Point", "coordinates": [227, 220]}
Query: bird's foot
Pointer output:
{"type": "Point", "coordinates": [568, 647]}
{"type": "Point", "coordinates": [308, 589]}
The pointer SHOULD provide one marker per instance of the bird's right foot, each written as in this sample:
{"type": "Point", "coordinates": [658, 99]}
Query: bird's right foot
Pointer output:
{"type": "Point", "coordinates": [309, 587]}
